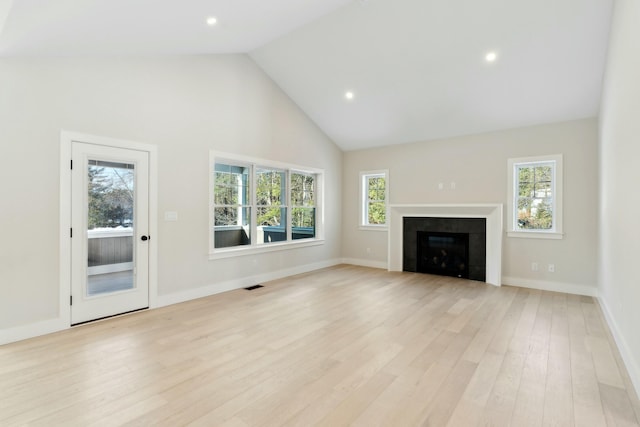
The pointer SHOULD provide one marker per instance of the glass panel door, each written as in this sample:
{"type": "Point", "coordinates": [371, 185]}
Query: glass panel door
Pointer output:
{"type": "Point", "coordinates": [110, 222]}
{"type": "Point", "coordinates": [110, 231]}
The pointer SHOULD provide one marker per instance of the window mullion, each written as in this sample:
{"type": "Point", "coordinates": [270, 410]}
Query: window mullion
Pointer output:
{"type": "Point", "coordinates": [553, 198]}
{"type": "Point", "coordinates": [287, 201]}
{"type": "Point", "coordinates": [238, 207]}
{"type": "Point", "coordinates": [516, 194]}
{"type": "Point", "coordinates": [367, 202]}
{"type": "Point", "coordinates": [252, 204]}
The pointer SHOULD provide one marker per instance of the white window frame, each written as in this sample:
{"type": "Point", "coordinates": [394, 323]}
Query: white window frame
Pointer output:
{"type": "Point", "coordinates": [364, 205]}
{"type": "Point", "coordinates": [556, 232]}
{"type": "Point", "coordinates": [292, 206]}
{"type": "Point", "coordinates": [233, 162]}
{"type": "Point", "coordinates": [254, 247]}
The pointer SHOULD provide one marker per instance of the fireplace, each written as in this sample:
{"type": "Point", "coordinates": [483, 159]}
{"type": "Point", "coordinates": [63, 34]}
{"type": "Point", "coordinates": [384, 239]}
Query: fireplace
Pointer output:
{"type": "Point", "coordinates": [445, 254]}
{"type": "Point", "coordinates": [489, 213]}
{"type": "Point", "coordinates": [445, 246]}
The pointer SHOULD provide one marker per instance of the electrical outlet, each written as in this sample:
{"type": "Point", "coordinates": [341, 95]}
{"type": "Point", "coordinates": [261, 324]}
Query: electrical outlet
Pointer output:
{"type": "Point", "coordinates": [552, 268]}
{"type": "Point", "coordinates": [534, 266]}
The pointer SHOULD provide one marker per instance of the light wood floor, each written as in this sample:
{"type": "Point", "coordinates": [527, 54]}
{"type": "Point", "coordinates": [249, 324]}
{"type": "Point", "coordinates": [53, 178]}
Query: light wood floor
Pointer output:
{"type": "Point", "coordinates": [341, 346]}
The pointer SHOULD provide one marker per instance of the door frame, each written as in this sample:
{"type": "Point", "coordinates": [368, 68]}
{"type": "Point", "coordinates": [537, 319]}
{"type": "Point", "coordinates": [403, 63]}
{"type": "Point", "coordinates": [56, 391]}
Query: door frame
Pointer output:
{"type": "Point", "coordinates": [67, 139]}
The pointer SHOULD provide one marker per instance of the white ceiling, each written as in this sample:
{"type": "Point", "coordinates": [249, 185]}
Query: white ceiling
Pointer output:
{"type": "Point", "coordinates": [416, 67]}
{"type": "Point", "coordinates": [123, 27]}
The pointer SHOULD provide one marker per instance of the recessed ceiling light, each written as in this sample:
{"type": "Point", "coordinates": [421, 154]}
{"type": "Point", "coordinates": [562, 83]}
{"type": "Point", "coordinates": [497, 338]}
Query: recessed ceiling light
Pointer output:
{"type": "Point", "coordinates": [349, 95]}
{"type": "Point", "coordinates": [491, 56]}
{"type": "Point", "coordinates": [211, 21]}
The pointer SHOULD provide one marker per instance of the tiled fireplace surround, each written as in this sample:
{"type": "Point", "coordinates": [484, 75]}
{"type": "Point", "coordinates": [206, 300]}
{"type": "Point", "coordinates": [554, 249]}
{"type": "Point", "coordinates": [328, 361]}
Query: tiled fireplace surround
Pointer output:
{"type": "Point", "coordinates": [471, 231]}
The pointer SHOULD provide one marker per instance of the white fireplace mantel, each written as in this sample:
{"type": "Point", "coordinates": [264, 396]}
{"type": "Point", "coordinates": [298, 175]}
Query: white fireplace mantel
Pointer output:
{"type": "Point", "coordinates": [492, 213]}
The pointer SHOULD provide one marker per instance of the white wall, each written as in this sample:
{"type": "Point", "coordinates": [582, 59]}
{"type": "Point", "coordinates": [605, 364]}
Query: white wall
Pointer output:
{"type": "Point", "coordinates": [619, 286]}
{"type": "Point", "coordinates": [186, 105]}
{"type": "Point", "coordinates": [478, 166]}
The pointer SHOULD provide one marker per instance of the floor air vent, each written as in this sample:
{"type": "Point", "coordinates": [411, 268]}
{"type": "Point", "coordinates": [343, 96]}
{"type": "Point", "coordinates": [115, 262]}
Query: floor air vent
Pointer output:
{"type": "Point", "coordinates": [250, 288]}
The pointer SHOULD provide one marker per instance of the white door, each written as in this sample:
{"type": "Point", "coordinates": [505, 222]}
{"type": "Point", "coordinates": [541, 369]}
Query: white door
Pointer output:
{"type": "Point", "coordinates": [109, 227]}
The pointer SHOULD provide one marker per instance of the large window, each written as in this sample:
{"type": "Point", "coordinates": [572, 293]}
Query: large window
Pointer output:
{"type": "Point", "coordinates": [258, 204]}
{"type": "Point", "coordinates": [536, 197]}
{"type": "Point", "coordinates": [374, 199]}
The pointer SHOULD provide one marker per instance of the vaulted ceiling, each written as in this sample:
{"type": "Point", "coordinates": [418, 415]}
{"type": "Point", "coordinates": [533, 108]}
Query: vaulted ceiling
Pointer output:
{"type": "Point", "coordinates": [415, 69]}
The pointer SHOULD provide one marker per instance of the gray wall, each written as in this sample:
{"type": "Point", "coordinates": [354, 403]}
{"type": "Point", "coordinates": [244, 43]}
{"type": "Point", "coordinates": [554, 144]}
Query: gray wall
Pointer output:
{"type": "Point", "coordinates": [478, 166]}
{"type": "Point", "coordinates": [186, 105]}
{"type": "Point", "coordinates": [620, 176]}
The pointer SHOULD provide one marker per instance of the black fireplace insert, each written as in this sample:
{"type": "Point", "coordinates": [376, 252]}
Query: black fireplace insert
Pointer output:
{"type": "Point", "coordinates": [445, 254]}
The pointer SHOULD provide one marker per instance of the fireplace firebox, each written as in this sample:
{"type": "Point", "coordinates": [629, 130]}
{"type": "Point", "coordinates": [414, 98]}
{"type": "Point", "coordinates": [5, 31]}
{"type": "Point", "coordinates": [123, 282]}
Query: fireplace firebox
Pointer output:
{"type": "Point", "coordinates": [445, 254]}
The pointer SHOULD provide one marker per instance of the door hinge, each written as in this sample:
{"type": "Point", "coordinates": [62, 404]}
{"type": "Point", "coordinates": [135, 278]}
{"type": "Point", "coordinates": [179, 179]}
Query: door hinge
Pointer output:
{"type": "Point", "coordinates": [71, 164]}
{"type": "Point", "coordinates": [71, 300]}
{"type": "Point", "coordinates": [71, 232]}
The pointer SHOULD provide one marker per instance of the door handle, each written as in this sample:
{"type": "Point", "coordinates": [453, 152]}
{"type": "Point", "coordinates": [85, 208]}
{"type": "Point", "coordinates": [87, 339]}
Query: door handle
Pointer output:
{"type": "Point", "coordinates": [145, 238]}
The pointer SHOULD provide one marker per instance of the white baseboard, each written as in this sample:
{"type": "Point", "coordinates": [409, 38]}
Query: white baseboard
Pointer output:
{"type": "Point", "coordinates": [366, 263]}
{"type": "Point", "coordinates": [23, 332]}
{"type": "Point", "coordinates": [230, 285]}
{"type": "Point", "coordinates": [630, 361]}
{"type": "Point", "coordinates": [568, 288]}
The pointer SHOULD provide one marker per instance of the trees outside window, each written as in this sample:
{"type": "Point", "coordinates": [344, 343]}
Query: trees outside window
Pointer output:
{"type": "Point", "coordinates": [110, 194]}
{"type": "Point", "coordinates": [535, 196]}
{"type": "Point", "coordinates": [232, 209]}
{"type": "Point", "coordinates": [270, 193]}
{"type": "Point", "coordinates": [374, 192]}
{"type": "Point", "coordinates": [303, 205]}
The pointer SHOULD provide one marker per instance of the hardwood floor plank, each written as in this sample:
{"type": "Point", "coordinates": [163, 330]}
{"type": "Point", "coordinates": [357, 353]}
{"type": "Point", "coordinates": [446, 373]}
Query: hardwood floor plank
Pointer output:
{"type": "Point", "coordinates": [498, 410]}
{"type": "Point", "coordinates": [470, 407]}
{"type": "Point", "coordinates": [489, 328]}
{"type": "Point", "coordinates": [558, 398]}
{"type": "Point", "coordinates": [438, 412]}
{"type": "Point", "coordinates": [342, 406]}
{"type": "Point", "coordinates": [587, 405]}
{"type": "Point", "coordinates": [528, 410]}
{"type": "Point", "coordinates": [428, 386]}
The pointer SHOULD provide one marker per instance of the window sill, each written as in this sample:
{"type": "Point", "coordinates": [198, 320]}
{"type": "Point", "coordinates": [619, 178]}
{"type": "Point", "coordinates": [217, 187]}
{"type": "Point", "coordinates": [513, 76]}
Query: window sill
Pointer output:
{"type": "Point", "coordinates": [374, 227]}
{"type": "Point", "coordinates": [535, 235]}
{"type": "Point", "coordinates": [264, 248]}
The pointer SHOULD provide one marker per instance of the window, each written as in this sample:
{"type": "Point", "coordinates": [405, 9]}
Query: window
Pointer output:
{"type": "Point", "coordinates": [535, 197]}
{"type": "Point", "coordinates": [257, 204]}
{"type": "Point", "coordinates": [232, 209]}
{"type": "Point", "coordinates": [270, 205]}
{"type": "Point", "coordinates": [374, 199]}
{"type": "Point", "coordinates": [303, 203]}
